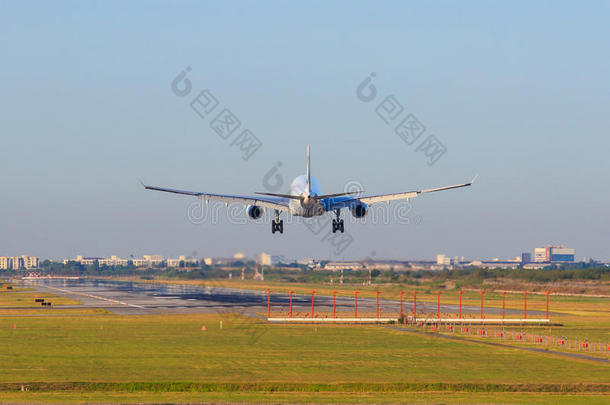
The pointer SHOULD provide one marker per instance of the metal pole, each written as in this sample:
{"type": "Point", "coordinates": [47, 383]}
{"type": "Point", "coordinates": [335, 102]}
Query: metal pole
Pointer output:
{"type": "Point", "coordinates": [356, 304]}
{"type": "Point", "coordinates": [525, 305]}
{"type": "Point", "coordinates": [414, 306]}
{"type": "Point", "coordinates": [334, 304]}
{"type": "Point", "coordinates": [460, 316]}
{"type": "Point", "coordinates": [547, 304]}
{"type": "Point", "coordinates": [482, 313]}
{"type": "Point", "coordinates": [503, 304]}
{"type": "Point", "coordinates": [291, 303]}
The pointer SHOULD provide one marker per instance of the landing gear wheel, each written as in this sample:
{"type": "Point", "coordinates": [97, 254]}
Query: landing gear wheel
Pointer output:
{"type": "Point", "coordinates": [277, 226]}
{"type": "Point", "coordinates": [338, 225]}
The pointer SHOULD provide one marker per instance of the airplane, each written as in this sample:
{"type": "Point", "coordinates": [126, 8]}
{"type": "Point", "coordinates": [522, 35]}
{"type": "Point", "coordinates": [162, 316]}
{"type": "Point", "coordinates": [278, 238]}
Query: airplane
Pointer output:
{"type": "Point", "coordinates": [305, 199]}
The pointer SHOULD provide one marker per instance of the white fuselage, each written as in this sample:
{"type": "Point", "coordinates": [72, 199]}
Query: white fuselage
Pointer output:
{"type": "Point", "coordinates": [307, 207]}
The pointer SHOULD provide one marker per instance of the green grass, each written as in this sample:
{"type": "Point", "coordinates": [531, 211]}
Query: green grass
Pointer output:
{"type": "Point", "coordinates": [168, 358]}
{"type": "Point", "coordinates": [26, 298]}
{"type": "Point", "coordinates": [300, 397]}
{"type": "Point", "coordinates": [168, 348]}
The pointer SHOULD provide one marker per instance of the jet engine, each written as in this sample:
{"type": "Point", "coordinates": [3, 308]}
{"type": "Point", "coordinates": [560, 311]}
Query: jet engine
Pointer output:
{"type": "Point", "coordinates": [360, 210]}
{"type": "Point", "coordinates": [255, 212]}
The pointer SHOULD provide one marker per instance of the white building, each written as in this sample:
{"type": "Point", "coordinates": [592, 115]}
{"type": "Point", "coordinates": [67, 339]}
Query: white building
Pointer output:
{"type": "Point", "coordinates": [85, 261]}
{"type": "Point", "coordinates": [113, 261]}
{"type": "Point", "coordinates": [341, 265]}
{"type": "Point", "coordinates": [181, 259]}
{"type": "Point", "coordinates": [19, 262]}
{"type": "Point", "coordinates": [154, 259]}
{"type": "Point", "coordinates": [540, 255]}
{"type": "Point", "coordinates": [551, 253]}
{"type": "Point", "coordinates": [31, 262]}
{"type": "Point", "coordinates": [443, 260]}
{"type": "Point", "coordinates": [148, 261]}
{"type": "Point", "coordinates": [265, 259]}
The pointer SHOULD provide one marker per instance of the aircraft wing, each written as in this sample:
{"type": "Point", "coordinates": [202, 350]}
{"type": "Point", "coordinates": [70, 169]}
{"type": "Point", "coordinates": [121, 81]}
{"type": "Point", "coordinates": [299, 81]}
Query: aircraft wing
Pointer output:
{"type": "Point", "coordinates": [333, 204]}
{"type": "Point", "coordinates": [276, 203]}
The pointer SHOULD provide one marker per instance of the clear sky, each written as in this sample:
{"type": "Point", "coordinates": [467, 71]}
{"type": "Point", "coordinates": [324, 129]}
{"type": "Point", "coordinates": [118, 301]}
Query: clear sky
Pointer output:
{"type": "Point", "coordinates": [517, 92]}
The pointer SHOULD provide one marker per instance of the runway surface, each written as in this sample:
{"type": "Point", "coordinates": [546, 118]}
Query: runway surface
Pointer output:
{"type": "Point", "coordinates": [154, 298]}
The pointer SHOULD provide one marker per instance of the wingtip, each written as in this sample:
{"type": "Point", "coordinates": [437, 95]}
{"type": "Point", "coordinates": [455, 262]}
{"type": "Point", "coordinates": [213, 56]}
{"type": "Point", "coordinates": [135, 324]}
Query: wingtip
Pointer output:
{"type": "Point", "coordinates": [474, 179]}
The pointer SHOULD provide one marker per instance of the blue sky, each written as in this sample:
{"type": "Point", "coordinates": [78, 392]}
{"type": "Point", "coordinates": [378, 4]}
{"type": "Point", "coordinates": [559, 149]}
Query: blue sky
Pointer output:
{"type": "Point", "coordinates": [517, 92]}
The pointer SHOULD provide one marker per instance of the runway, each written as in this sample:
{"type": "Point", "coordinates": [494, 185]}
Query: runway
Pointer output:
{"type": "Point", "coordinates": [154, 298]}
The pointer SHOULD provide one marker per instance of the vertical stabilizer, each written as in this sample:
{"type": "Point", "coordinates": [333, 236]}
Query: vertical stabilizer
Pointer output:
{"type": "Point", "coordinates": [308, 172]}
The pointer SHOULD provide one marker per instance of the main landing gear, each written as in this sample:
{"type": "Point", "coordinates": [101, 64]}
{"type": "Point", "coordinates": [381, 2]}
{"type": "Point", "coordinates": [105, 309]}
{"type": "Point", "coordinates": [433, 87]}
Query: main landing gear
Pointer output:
{"type": "Point", "coordinates": [338, 223]}
{"type": "Point", "coordinates": [277, 224]}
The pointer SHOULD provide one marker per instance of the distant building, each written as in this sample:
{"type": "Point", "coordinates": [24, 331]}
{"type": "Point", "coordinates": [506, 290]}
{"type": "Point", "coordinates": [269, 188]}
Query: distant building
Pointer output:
{"type": "Point", "coordinates": [526, 258]}
{"type": "Point", "coordinates": [343, 265]}
{"type": "Point", "coordinates": [396, 265]}
{"type": "Point", "coordinates": [113, 261]}
{"type": "Point", "coordinates": [443, 260]}
{"type": "Point", "coordinates": [554, 254]}
{"type": "Point", "coordinates": [147, 261]}
{"type": "Point", "coordinates": [535, 266]}
{"type": "Point", "coordinates": [154, 259]}
{"type": "Point", "coordinates": [176, 262]}
{"type": "Point", "coordinates": [540, 255]}
{"type": "Point", "coordinates": [309, 262]}
{"type": "Point", "coordinates": [562, 254]}
{"type": "Point", "coordinates": [265, 259]}
{"type": "Point", "coordinates": [222, 261]}
{"type": "Point", "coordinates": [181, 260]}
{"type": "Point", "coordinates": [85, 261]}
{"type": "Point", "coordinates": [19, 262]}
{"type": "Point", "coordinates": [239, 256]}
{"type": "Point", "coordinates": [495, 264]}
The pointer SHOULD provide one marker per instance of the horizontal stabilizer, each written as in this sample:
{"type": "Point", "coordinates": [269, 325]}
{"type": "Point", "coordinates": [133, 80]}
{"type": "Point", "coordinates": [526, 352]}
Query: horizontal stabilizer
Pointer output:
{"type": "Point", "coordinates": [322, 197]}
{"type": "Point", "coordinates": [315, 197]}
{"type": "Point", "coordinates": [294, 197]}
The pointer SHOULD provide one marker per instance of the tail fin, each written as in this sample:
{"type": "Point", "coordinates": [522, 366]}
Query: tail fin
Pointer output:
{"type": "Point", "coordinates": [308, 172]}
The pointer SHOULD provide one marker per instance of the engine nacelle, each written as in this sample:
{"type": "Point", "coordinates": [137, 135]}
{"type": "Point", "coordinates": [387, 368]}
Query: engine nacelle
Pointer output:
{"type": "Point", "coordinates": [360, 210]}
{"type": "Point", "coordinates": [254, 211]}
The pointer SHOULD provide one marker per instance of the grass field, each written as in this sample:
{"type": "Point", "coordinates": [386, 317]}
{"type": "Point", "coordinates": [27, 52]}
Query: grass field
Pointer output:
{"type": "Point", "coordinates": [272, 363]}
{"type": "Point", "coordinates": [24, 297]}
{"type": "Point", "coordinates": [421, 397]}
{"type": "Point", "coordinates": [582, 317]}
{"type": "Point", "coordinates": [102, 357]}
